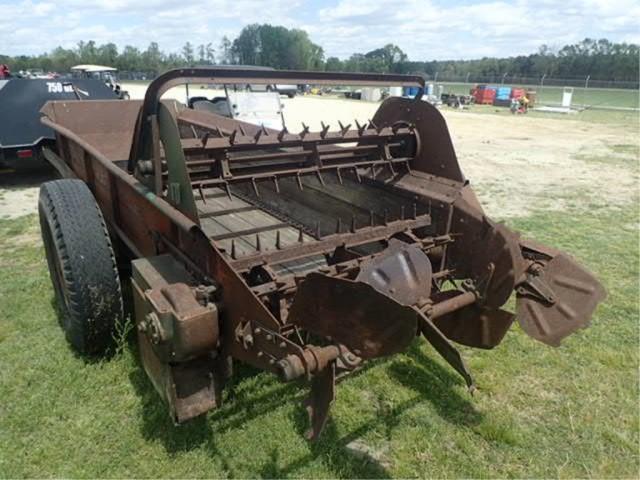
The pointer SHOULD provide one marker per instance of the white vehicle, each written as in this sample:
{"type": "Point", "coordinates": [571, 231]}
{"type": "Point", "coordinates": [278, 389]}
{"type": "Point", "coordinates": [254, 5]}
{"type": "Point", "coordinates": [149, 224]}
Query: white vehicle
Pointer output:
{"type": "Point", "coordinates": [288, 90]}
{"type": "Point", "coordinates": [257, 108]}
{"type": "Point", "coordinates": [108, 75]}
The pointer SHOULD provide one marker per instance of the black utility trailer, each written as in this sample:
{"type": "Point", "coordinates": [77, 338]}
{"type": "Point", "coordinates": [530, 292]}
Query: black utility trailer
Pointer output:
{"type": "Point", "coordinates": [22, 135]}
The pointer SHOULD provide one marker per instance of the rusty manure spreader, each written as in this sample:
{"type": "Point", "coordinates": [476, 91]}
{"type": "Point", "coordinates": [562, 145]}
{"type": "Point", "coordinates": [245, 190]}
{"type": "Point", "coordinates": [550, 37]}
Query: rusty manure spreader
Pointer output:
{"type": "Point", "coordinates": [302, 253]}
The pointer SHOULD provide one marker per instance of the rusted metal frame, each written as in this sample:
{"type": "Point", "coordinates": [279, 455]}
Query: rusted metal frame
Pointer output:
{"type": "Point", "coordinates": [286, 284]}
{"type": "Point", "coordinates": [217, 124]}
{"type": "Point", "coordinates": [355, 148]}
{"type": "Point", "coordinates": [247, 171]}
{"type": "Point", "coordinates": [141, 147]}
{"type": "Point", "coordinates": [296, 172]}
{"type": "Point", "coordinates": [194, 123]}
{"type": "Point", "coordinates": [324, 153]}
{"type": "Point", "coordinates": [449, 305]}
{"type": "Point", "coordinates": [190, 265]}
{"type": "Point", "coordinates": [179, 191]}
{"type": "Point", "coordinates": [274, 212]}
{"type": "Point", "coordinates": [249, 143]}
{"type": "Point", "coordinates": [120, 175]}
{"type": "Point", "coordinates": [444, 347]}
{"type": "Point", "coordinates": [58, 163]}
{"type": "Point", "coordinates": [341, 157]}
{"type": "Point", "coordinates": [314, 359]}
{"type": "Point", "coordinates": [220, 194]}
{"type": "Point", "coordinates": [443, 260]}
{"type": "Point", "coordinates": [410, 196]}
{"type": "Point", "coordinates": [228, 211]}
{"type": "Point", "coordinates": [329, 243]}
{"type": "Point", "coordinates": [435, 152]}
{"type": "Point", "coordinates": [282, 356]}
{"type": "Point", "coordinates": [156, 159]}
{"type": "Point", "coordinates": [314, 157]}
{"type": "Point", "coordinates": [88, 168]}
{"type": "Point", "coordinates": [266, 156]}
{"type": "Point", "coordinates": [249, 231]}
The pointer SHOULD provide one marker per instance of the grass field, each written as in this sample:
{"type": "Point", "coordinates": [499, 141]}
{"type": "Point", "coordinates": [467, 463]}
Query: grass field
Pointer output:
{"type": "Point", "coordinates": [547, 95]}
{"type": "Point", "coordinates": [539, 412]}
{"type": "Point", "coordinates": [598, 116]}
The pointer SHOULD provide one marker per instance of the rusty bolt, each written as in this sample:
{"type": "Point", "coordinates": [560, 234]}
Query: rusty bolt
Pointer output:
{"type": "Point", "coordinates": [282, 344]}
{"type": "Point", "coordinates": [269, 337]}
{"type": "Point", "coordinates": [258, 331]}
{"type": "Point", "coordinates": [153, 329]}
{"type": "Point", "coordinates": [535, 268]}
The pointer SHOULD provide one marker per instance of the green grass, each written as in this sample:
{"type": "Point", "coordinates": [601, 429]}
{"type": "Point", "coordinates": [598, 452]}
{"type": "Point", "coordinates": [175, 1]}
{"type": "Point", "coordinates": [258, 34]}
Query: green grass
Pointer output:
{"type": "Point", "coordinates": [539, 412]}
{"type": "Point", "coordinates": [624, 118]}
{"type": "Point", "coordinates": [595, 97]}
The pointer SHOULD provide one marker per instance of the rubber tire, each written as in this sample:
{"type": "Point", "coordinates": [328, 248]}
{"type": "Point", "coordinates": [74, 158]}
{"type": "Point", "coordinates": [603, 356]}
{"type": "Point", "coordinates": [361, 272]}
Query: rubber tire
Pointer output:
{"type": "Point", "coordinates": [82, 265]}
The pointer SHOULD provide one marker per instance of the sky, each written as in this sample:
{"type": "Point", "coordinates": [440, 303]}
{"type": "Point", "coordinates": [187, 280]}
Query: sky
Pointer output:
{"type": "Point", "coordinates": [424, 29]}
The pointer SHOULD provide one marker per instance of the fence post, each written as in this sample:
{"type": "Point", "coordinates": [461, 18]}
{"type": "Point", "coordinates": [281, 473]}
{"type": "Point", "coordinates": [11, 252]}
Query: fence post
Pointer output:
{"type": "Point", "coordinates": [505, 74]}
{"type": "Point", "coordinates": [467, 79]}
{"type": "Point", "coordinates": [586, 85]}
{"type": "Point", "coordinates": [541, 87]}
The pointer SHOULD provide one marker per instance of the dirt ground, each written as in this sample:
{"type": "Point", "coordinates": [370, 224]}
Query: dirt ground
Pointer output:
{"type": "Point", "coordinates": [19, 193]}
{"type": "Point", "coordinates": [517, 164]}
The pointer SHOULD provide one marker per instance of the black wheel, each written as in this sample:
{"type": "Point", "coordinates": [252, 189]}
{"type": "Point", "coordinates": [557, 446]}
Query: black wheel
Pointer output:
{"type": "Point", "coordinates": [291, 95]}
{"type": "Point", "coordinates": [82, 265]}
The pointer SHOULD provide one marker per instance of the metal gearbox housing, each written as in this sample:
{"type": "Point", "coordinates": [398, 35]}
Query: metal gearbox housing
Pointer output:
{"type": "Point", "coordinates": [177, 325]}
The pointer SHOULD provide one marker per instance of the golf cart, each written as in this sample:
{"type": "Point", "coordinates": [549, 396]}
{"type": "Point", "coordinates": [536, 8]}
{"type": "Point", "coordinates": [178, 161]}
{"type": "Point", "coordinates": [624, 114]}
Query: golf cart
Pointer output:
{"type": "Point", "coordinates": [108, 75]}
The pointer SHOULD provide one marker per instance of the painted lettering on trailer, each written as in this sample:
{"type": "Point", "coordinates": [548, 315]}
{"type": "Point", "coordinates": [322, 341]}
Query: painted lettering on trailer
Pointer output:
{"type": "Point", "coordinates": [58, 87]}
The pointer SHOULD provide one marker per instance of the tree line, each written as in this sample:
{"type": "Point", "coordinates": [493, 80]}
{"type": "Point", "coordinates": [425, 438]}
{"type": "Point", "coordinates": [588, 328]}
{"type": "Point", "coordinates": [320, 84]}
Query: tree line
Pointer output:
{"type": "Point", "coordinates": [283, 48]}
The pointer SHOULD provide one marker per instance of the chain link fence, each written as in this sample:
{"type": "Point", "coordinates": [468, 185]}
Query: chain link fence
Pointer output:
{"type": "Point", "coordinates": [587, 93]}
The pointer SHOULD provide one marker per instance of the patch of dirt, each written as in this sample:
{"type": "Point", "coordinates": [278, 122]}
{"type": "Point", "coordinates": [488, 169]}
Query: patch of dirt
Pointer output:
{"type": "Point", "coordinates": [17, 202]}
{"type": "Point", "coordinates": [540, 163]}
{"type": "Point", "coordinates": [19, 193]}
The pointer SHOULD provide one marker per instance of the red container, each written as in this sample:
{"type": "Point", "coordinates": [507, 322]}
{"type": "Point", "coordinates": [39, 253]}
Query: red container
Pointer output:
{"type": "Point", "coordinates": [485, 96]}
{"type": "Point", "coordinates": [517, 93]}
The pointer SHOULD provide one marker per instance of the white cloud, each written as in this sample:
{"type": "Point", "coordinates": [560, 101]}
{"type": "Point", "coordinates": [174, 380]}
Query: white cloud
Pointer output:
{"type": "Point", "coordinates": [425, 29]}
